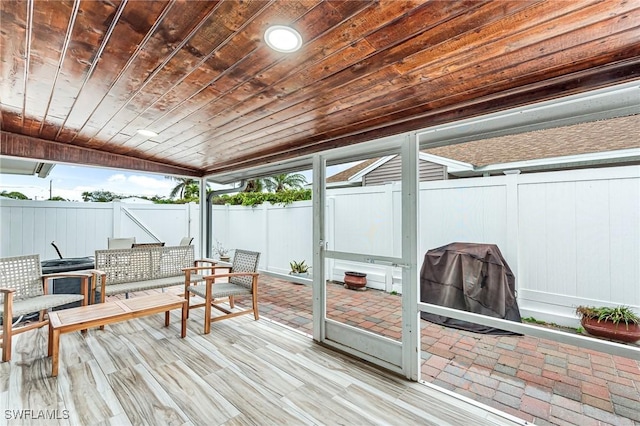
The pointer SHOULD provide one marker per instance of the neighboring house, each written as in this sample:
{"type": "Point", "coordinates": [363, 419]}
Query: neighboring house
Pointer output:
{"type": "Point", "coordinates": [606, 143]}
{"type": "Point", "coordinates": [378, 171]}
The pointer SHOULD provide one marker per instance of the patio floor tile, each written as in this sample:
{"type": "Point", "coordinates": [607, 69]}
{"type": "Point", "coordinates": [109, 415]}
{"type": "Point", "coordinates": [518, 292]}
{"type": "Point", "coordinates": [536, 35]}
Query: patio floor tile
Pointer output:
{"type": "Point", "coordinates": [536, 407]}
{"type": "Point", "coordinates": [552, 383]}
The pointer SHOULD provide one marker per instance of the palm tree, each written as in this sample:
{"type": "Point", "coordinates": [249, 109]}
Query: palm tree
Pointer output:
{"type": "Point", "coordinates": [192, 191]}
{"type": "Point", "coordinates": [285, 181]}
{"type": "Point", "coordinates": [181, 187]}
{"type": "Point", "coordinates": [253, 185]}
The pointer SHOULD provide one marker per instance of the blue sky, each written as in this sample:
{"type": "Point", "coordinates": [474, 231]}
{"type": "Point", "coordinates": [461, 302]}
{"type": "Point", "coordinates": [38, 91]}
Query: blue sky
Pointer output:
{"type": "Point", "coordinates": [69, 182]}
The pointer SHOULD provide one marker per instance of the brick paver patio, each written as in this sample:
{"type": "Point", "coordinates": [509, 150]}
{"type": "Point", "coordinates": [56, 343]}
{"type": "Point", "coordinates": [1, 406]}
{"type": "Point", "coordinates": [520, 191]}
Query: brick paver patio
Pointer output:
{"type": "Point", "coordinates": [538, 380]}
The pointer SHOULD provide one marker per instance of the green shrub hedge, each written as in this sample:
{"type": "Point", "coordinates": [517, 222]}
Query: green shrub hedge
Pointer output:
{"type": "Point", "coordinates": [256, 198]}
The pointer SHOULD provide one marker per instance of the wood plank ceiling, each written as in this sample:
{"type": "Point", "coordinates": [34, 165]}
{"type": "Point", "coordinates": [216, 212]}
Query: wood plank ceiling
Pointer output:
{"type": "Point", "coordinates": [79, 78]}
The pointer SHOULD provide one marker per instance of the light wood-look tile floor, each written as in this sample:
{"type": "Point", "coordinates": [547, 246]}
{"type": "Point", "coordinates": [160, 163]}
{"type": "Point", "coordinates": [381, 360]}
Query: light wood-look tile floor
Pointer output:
{"type": "Point", "coordinates": [244, 373]}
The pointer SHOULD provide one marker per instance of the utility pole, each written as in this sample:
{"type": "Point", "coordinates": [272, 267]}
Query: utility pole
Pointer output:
{"type": "Point", "coordinates": [50, 188]}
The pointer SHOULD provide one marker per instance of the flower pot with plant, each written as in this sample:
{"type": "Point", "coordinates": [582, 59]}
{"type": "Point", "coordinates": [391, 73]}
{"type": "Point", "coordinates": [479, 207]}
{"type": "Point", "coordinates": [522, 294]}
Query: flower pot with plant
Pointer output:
{"type": "Point", "coordinates": [619, 323]}
{"type": "Point", "coordinates": [221, 251]}
{"type": "Point", "coordinates": [299, 269]}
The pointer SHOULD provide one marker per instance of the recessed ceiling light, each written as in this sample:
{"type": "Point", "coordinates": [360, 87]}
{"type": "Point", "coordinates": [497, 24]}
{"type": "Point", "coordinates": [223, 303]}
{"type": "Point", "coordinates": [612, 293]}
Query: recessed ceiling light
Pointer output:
{"type": "Point", "coordinates": [148, 133]}
{"type": "Point", "coordinates": [283, 39]}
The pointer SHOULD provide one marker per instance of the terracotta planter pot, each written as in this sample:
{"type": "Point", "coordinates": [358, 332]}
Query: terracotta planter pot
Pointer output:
{"type": "Point", "coordinates": [355, 280]}
{"type": "Point", "coordinates": [610, 330]}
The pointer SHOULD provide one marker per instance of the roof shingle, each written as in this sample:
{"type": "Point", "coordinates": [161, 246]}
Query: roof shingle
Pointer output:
{"type": "Point", "coordinates": [584, 138]}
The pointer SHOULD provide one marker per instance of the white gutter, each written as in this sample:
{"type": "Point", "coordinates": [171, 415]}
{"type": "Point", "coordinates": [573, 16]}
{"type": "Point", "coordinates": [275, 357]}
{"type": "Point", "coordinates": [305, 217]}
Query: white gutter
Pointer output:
{"type": "Point", "coordinates": [452, 165]}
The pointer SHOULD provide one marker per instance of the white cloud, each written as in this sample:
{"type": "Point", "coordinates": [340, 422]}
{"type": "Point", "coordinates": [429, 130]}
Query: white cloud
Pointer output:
{"type": "Point", "coordinates": [151, 182]}
{"type": "Point", "coordinates": [71, 194]}
{"type": "Point", "coordinates": [68, 194]}
{"type": "Point", "coordinates": [117, 178]}
{"type": "Point", "coordinates": [122, 184]}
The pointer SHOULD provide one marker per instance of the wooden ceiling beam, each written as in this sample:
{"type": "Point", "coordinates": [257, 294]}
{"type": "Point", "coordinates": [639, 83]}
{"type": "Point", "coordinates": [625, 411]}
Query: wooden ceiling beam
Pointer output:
{"type": "Point", "coordinates": [15, 145]}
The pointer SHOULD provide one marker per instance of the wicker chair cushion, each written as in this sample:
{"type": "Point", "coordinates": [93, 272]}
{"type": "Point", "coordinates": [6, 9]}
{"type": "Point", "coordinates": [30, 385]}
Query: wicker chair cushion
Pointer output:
{"type": "Point", "coordinates": [219, 290]}
{"type": "Point", "coordinates": [37, 303]}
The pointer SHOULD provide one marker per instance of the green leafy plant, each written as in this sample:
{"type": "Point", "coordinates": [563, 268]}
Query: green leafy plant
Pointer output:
{"type": "Point", "coordinates": [615, 315]}
{"type": "Point", "coordinates": [100, 196]}
{"type": "Point", "coordinates": [299, 267]}
{"type": "Point", "coordinates": [284, 181]}
{"type": "Point", "coordinates": [15, 195]}
{"type": "Point", "coordinates": [542, 323]}
{"type": "Point", "coordinates": [256, 198]}
{"type": "Point", "coordinates": [533, 320]}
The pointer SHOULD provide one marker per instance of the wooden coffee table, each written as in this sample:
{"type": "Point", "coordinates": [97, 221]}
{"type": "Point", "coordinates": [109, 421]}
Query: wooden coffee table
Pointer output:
{"type": "Point", "coordinates": [101, 314]}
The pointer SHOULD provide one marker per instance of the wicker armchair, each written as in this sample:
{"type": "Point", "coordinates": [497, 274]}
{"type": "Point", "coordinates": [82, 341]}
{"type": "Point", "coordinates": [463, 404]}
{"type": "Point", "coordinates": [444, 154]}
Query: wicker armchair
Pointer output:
{"type": "Point", "coordinates": [242, 280]}
{"type": "Point", "coordinates": [24, 290]}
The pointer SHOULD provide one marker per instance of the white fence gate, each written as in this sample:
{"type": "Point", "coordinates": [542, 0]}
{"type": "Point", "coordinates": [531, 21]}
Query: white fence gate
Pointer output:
{"type": "Point", "coordinates": [79, 229]}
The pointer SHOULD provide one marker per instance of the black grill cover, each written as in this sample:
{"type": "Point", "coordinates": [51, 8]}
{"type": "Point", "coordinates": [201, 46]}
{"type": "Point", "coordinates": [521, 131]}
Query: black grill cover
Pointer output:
{"type": "Point", "coordinates": [469, 277]}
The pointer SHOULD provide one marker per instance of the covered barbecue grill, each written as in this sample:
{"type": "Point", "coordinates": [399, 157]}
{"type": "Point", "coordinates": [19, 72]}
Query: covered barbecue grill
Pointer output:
{"type": "Point", "coordinates": [469, 277]}
{"type": "Point", "coordinates": [68, 285]}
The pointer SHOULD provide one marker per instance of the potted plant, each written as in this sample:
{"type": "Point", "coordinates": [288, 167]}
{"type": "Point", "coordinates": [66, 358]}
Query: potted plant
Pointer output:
{"type": "Point", "coordinates": [221, 251]}
{"type": "Point", "coordinates": [619, 322]}
{"type": "Point", "coordinates": [299, 269]}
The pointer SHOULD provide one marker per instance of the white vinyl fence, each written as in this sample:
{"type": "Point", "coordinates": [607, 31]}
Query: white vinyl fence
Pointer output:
{"type": "Point", "coordinates": [79, 229]}
{"type": "Point", "coordinates": [570, 237]}
{"type": "Point", "coordinates": [280, 234]}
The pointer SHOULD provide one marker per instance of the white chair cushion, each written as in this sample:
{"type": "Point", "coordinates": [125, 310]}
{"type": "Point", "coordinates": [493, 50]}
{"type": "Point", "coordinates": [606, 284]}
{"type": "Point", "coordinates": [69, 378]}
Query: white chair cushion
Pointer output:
{"type": "Point", "coordinates": [220, 290]}
{"type": "Point", "coordinates": [38, 303]}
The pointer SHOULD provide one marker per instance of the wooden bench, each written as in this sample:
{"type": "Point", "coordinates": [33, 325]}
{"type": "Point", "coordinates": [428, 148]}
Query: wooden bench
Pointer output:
{"type": "Point", "coordinates": [143, 268]}
{"type": "Point", "coordinates": [101, 314]}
